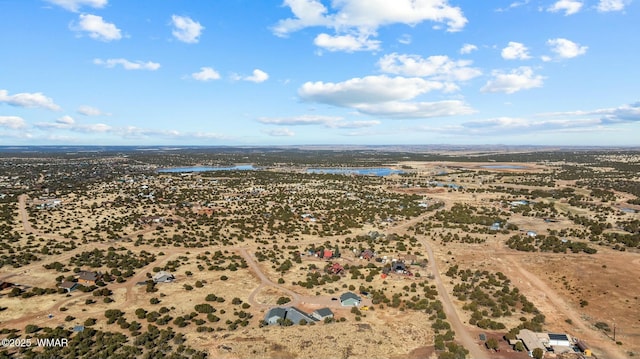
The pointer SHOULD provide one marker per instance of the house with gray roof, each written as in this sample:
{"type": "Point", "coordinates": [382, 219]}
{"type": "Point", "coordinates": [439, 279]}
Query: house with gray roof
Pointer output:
{"type": "Point", "coordinates": [322, 314]}
{"type": "Point", "coordinates": [68, 286]}
{"type": "Point", "coordinates": [296, 316]}
{"type": "Point", "coordinates": [275, 314]}
{"type": "Point", "coordinates": [349, 299]}
{"type": "Point", "coordinates": [278, 314]}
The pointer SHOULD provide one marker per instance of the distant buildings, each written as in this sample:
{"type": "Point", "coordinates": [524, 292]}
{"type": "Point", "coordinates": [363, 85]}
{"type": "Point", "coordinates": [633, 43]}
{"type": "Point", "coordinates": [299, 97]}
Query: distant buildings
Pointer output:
{"type": "Point", "coordinates": [336, 268]}
{"type": "Point", "coordinates": [47, 203]}
{"type": "Point", "coordinates": [151, 220]}
{"type": "Point", "coordinates": [367, 254]}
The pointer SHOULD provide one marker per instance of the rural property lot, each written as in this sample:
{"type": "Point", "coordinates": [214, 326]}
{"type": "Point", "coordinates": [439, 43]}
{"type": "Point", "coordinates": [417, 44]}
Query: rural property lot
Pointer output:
{"type": "Point", "coordinates": [439, 254]}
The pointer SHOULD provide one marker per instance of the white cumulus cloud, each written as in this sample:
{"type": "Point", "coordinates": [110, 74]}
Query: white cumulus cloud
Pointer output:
{"type": "Point", "coordinates": [90, 111]}
{"type": "Point", "coordinates": [29, 100]}
{"type": "Point", "coordinates": [185, 29]}
{"type": "Point", "coordinates": [128, 65]}
{"type": "Point", "coordinates": [346, 43]}
{"type": "Point", "coordinates": [97, 28]}
{"type": "Point", "coordinates": [436, 67]}
{"type": "Point", "coordinates": [518, 79]}
{"type": "Point", "coordinates": [384, 96]}
{"type": "Point", "coordinates": [206, 74]}
{"type": "Point", "coordinates": [515, 51]}
{"type": "Point", "coordinates": [63, 123]}
{"type": "Point", "coordinates": [364, 17]}
{"type": "Point", "coordinates": [569, 7]}
{"type": "Point", "coordinates": [369, 89]}
{"type": "Point", "coordinates": [612, 5]}
{"type": "Point", "coordinates": [566, 49]}
{"type": "Point", "coordinates": [75, 5]}
{"type": "Point", "coordinates": [257, 76]}
{"type": "Point", "coordinates": [66, 120]}
{"type": "Point", "coordinates": [12, 122]}
{"type": "Point", "coordinates": [416, 110]}
{"type": "Point", "coordinates": [468, 48]}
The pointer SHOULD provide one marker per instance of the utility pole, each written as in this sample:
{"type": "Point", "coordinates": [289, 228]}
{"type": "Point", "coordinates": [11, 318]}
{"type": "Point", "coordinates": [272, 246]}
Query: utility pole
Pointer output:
{"type": "Point", "coordinates": [614, 331]}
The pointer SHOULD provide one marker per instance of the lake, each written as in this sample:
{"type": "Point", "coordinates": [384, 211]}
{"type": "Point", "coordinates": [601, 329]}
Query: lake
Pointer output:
{"type": "Point", "coordinates": [206, 169]}
{"type": "Point", "coordinates": [383, 171]}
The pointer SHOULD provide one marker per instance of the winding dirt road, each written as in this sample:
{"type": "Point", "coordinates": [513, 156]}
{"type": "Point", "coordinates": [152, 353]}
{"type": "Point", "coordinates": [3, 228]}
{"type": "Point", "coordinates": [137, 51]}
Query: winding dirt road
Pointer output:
{"type": "Point", "coordinates": [265, 282]}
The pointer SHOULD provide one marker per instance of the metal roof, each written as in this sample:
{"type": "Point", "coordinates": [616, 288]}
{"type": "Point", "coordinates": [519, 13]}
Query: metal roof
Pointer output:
{"type": "Point", "coordinates": [558, 336]}
{"type": "Point", "coordinates": [349, 295]}
{"type": "Point", "coordinates": [530, 339]}
{"type": "Point", "coordinates": [324, 312]}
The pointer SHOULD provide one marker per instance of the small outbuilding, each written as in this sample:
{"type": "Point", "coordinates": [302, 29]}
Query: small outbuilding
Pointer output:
{"type": "Point", "coordinates": [78, 328]}
{"type": "Point", "coordinates": [68, 286]}
{"type": "Point", "coordinates": [584, 348]}
{"type": "Point", "coordinates": [163, 277]}
{"type": "Point", "coordinates": [322, 314]}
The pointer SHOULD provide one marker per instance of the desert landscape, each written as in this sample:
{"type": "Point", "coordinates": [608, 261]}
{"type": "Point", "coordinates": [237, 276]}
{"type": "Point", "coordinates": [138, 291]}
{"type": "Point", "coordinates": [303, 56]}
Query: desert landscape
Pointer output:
{"type": "Point", "coordinates": [320, 253]}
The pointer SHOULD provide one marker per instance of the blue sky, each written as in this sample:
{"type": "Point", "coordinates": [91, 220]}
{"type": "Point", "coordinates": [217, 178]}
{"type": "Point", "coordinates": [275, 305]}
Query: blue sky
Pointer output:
{"type": "Point", "coordinates": [295, 72]}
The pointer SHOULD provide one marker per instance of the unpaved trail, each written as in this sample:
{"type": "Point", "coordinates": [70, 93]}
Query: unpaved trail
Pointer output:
{"type": "Point", "coordinates": [265, 282]}
{"type": "Point", "coordinates": [28, 228]}
{"type": "Point", "coordinates": [475, 351]}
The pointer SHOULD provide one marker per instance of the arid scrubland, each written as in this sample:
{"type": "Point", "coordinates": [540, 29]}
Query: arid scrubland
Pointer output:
{"type": "Point", "coordinates": [124, 261]}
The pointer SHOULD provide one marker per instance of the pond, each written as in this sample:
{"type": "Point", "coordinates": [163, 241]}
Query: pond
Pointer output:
{"type": "Point", "coordinates": [382, 171]}
{"type": "Point", "coordinates": [206, 169]}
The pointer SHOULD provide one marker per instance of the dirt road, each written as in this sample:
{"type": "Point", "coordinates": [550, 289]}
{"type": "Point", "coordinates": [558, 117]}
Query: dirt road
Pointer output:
{"type": "Point", "coordinates": [265, 282]}
{"type": "Point", "coordinates": [462, 335]}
